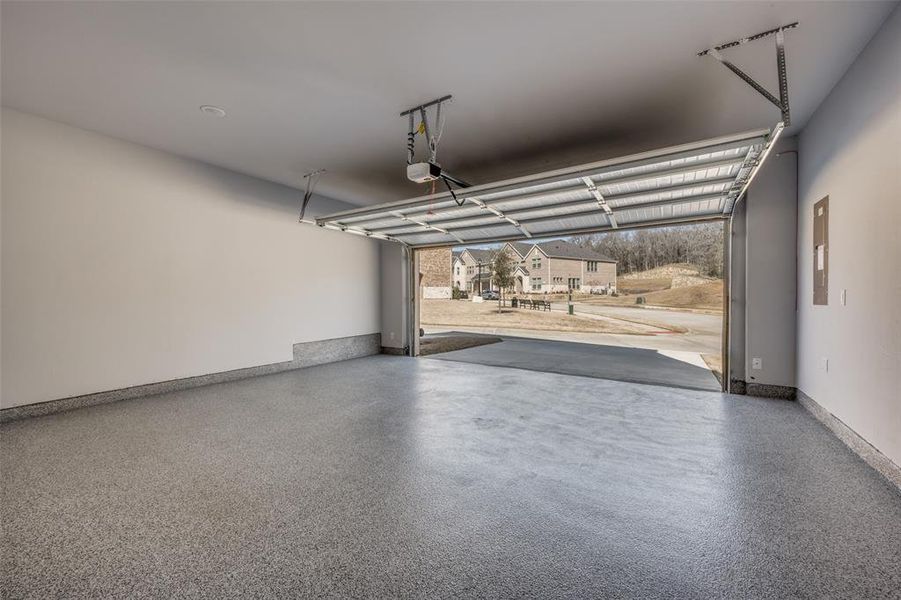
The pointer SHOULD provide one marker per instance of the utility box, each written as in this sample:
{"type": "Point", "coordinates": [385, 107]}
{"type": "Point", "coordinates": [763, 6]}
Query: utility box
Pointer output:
{"type": "Point", "coordinates": [821, 252]}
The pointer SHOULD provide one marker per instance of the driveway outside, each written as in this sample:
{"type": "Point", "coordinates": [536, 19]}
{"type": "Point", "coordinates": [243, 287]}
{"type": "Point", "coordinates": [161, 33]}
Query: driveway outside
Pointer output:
{"type": "Point", "coordinates": [704, 335]}
{"type": "Point", "coordinates": [636, 365]}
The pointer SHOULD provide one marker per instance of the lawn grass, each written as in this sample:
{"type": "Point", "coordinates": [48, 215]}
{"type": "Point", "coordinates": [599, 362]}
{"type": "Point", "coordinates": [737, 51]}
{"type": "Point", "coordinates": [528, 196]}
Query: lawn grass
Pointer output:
{"type": "Point", "coordinates": [464, 313]}
{"type": "Point", "coordinates": [706, 297]}
{"type": "Point", "coordinates": [643, 286]}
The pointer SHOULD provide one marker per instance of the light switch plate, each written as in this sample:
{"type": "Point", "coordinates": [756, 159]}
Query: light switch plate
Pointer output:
{"type": "Point", "coordinates": [757, 363]}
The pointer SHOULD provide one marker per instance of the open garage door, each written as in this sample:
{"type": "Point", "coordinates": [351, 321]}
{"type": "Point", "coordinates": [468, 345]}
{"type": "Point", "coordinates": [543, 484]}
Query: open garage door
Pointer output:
{"type": "Point", "coordinates": [693, 182]}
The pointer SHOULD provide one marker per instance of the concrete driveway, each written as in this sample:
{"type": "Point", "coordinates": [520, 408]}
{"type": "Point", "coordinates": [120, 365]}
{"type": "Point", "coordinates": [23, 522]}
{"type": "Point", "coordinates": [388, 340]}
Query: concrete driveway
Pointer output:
{"type": "Point", "coordinates": [661, 357]}
{"type": "Point", "coordinates": [636, 365]}
{"type": "Point", "coordinates": [704, 335]}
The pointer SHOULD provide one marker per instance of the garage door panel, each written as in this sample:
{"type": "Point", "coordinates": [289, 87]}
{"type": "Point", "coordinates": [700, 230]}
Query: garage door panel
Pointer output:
{"type": "Point", "coordinates": [691, 182]}
{"type": "Point", "coordinates": [549, 226]}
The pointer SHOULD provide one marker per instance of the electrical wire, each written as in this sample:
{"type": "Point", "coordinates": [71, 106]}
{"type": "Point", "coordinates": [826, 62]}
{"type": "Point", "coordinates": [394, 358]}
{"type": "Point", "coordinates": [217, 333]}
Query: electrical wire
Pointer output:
{"type": "Point", "coordinates": [312, 179]}
{"type": "Point", "coordinates": [459, 202]}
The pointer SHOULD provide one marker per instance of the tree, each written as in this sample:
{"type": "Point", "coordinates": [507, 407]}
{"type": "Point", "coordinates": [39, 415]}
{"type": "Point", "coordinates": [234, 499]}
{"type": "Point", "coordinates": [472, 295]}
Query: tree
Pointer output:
{"type": "Point", "coordinates": [700, 245]}
{"type": "Point", "coordinates": [502, 267]}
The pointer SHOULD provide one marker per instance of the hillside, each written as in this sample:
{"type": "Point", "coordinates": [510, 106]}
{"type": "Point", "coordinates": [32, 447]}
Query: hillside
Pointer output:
{"type": "Point", "coordinates": [674, 286]}
{"type": "Point", "coordinates": [677, 274]}
{"type": "Point", "coordinates": [706, 296]}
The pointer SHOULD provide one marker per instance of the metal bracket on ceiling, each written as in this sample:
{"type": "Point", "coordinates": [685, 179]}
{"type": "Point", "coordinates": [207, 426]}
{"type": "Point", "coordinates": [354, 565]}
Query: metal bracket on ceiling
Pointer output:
{"type": "Point", "coordinates": [779, 33]}
{"type": "Point", "coordinates": [432, 141]}
{"type": "Point", "coordinates": [432, 132]}
{"type": "Point", "coordinates": [602, 202]}
{"type": "Point", "coordinates": [312, 179]}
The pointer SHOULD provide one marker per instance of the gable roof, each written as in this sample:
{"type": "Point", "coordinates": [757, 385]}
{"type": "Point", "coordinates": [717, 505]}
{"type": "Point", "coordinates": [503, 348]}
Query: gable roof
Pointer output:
{"type": "Point", "coordinates": [551, 249]}
{"type": "Point", "coordinates": [561, 249]}
{"type": "Point", "coordinates": [521, 248]}
{"type": "Point", "coordinates": [482, 254]}
{"type": "Point", "coordinates": [489, 274]}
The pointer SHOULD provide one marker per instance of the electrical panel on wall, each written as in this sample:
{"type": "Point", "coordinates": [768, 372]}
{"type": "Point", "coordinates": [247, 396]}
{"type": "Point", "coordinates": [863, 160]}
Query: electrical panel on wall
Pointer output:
{"type": "Point", "coordinates": [821, 252]}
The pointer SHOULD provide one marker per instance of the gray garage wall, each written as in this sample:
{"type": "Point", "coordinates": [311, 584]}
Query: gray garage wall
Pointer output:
{"type": "Point", "coordinates": [770, 238]}
{"type": "Point", "coordinates": [123, 266]}
{"type": "Point", "coordinates": [851, 151]}
{"type": "Point", "coordinates": [736, 291]}
{"type": "Point", "coordinates": [394, 297]}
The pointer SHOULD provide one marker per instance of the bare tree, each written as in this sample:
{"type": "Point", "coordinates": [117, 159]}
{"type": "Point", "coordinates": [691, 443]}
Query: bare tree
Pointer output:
{"type": "Point", "coordinates": [700, 245]}
{"type": "Point", "coordinates": [503, 267]}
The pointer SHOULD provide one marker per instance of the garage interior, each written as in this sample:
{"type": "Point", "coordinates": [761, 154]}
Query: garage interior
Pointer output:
{"type": "Point", "coordinates": [209, 383]}
{"type": "Point", "coordinates": [691, 183]}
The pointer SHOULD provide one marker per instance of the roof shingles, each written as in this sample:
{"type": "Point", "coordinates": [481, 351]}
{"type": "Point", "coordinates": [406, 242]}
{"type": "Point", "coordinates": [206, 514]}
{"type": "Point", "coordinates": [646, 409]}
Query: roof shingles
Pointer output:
{"type": "Point", "coordinates": [561, 249]}
{"type": "Point", "coordinates": [553, 249]}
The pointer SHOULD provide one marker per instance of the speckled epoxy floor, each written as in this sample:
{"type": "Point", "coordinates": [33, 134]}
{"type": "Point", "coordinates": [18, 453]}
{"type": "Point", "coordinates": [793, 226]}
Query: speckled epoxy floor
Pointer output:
{"type": "Point", "coordinates": [390, 477]}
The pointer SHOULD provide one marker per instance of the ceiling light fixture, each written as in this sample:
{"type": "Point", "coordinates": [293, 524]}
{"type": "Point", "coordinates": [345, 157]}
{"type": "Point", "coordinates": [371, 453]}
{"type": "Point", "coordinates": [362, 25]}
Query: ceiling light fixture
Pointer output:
{"type": "Point", "coordinates": [213, 111]}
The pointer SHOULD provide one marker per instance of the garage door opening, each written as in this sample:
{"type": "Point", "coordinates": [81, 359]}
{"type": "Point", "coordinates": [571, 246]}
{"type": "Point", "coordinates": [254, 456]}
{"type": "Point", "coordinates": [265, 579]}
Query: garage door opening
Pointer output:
{"type": "Point", "coordinates": [642, 306]}
{"type": "Point", "coordinates": [696, 183]}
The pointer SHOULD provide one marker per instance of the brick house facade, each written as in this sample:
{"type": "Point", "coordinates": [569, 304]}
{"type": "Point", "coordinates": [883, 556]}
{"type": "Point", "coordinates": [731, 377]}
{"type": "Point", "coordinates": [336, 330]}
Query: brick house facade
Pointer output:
{"type": "Point", "coordinates": [435, 274]}
{"type": "Point", "coordinates": [559, 266]}
{"type": "Point", "coordinates": [555, 266]}
{"type": "Point", "coordinates": [458, 272]}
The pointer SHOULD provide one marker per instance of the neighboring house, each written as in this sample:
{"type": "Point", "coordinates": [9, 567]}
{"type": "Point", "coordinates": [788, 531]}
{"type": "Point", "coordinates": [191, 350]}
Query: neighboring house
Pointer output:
{"type": "Point", "coordinates": [435, 272]}
{"type": "Point", "coordinates": [475, 261]}
{"type": "Point", "coordinates": [558, 266]}
{"type": "Point", "coordinates": [518, 249]}
{"type": "Point", "coordinates": [554, 266]}
{"type": "Point", "coordinates": [458, 271]}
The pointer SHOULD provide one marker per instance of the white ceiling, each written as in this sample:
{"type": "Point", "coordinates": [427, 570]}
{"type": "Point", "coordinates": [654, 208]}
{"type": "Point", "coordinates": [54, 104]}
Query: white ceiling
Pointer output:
{"type": "Point", "coordinates": [320, 85]}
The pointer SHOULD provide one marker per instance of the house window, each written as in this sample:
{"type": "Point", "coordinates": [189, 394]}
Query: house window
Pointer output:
{"type": "Point", "coordinates": [536, 284]}
{"type": "Point", "coordinates": [574, 283]}
{"type": "Point", "coordinates": [592, 266]}
{"type": "Point", "coordinates": [536, 262]}
{"type": "Point", "coordinates": [458, 270]}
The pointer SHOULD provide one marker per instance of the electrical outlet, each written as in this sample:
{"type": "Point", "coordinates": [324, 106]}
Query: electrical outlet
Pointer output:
{"type": "Point", "coordinates": [757, 363]}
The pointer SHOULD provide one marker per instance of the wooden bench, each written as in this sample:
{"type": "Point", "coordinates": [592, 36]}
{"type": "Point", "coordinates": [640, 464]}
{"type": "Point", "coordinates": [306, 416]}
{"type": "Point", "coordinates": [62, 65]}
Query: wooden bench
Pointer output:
{"type": "Point", "coordinates": [541, 305]}
{"type": "Point", "coordinates": [525, 302]}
